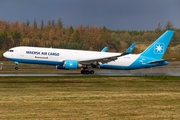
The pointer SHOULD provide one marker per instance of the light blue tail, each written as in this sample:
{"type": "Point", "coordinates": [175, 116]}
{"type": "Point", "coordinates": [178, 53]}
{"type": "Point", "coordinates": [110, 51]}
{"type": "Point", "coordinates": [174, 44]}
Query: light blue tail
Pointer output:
{"type": "Point", "coordinates": [158, 48]}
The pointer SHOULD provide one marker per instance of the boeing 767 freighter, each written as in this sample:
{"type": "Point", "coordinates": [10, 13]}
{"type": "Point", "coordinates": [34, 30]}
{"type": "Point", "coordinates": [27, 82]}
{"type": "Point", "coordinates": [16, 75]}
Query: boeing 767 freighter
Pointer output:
{"type": "Point", "coordinates": [74, 59]}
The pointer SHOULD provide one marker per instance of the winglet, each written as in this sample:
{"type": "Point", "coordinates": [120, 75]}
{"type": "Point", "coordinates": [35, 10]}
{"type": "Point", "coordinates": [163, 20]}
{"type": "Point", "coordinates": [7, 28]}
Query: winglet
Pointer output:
{"type": "Point", "coordinates": [130, 49]}
{"type": "Point", "coordinates": [104, 49]}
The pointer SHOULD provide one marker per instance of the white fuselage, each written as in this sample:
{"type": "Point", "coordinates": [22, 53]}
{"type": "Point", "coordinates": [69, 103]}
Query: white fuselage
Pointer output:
{"type": "Point", "coordinates": [52, 56]}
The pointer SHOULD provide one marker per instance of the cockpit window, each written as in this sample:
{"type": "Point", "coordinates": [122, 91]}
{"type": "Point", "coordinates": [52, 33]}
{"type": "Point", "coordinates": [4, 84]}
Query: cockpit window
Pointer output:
{"type": "Point", "coordinates": [11, 50]}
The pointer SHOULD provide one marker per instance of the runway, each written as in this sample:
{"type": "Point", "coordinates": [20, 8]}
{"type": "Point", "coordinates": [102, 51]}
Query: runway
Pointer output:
{"type": "Point", "coordinates": [13, 75]}
{"type": "Point", "coordinates": [157, 71]}
{"type": "Point", "coordinates": [96, 74]}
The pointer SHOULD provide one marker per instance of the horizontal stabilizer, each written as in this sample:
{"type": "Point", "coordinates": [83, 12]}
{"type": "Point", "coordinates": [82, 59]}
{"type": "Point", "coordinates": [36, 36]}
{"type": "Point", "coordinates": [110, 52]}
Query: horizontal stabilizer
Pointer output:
{"type": "Point", "coordinates": [162, 60]}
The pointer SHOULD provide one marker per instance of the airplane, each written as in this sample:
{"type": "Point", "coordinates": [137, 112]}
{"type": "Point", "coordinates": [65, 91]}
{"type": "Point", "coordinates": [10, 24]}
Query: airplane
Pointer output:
{"type": "Point", "coordinates": [74, 59]}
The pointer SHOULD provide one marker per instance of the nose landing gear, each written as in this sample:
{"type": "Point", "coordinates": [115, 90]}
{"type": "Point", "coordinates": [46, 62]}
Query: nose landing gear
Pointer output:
{"type": "Point", "coordinates": [16, 66]}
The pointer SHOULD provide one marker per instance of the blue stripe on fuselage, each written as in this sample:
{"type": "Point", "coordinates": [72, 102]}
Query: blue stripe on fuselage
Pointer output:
{"type": "Point", "coordinates": [30, 61]}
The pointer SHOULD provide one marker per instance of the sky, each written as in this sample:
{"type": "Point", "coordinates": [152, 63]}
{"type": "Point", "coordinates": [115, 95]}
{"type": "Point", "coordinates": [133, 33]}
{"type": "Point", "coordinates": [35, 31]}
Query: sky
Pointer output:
{"type": "Point", "coordinates": [113, 14]}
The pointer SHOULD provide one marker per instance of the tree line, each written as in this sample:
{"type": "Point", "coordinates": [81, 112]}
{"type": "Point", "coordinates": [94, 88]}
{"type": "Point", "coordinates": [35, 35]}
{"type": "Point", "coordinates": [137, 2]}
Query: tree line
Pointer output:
{"type": "Point", "coordinates": [54, 34]}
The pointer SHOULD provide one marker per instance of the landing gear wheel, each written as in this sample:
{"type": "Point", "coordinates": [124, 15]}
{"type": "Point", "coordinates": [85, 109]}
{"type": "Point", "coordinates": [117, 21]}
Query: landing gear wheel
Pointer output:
{"type": "Point", "coordinates": [91, 71]}
{"type": "Point", "coordinates": [82, 71]}
{"type": "Point", "coordinates": [87, 71]}
{"type": "Point", "coordinates": [16, 65]}
{"type": "Point", "coordinates": [16, 68]}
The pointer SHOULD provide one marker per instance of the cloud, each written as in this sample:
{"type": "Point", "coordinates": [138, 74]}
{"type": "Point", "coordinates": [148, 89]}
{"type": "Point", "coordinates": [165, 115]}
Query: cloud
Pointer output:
{"type": "Point", "coordinates": [114, 14]}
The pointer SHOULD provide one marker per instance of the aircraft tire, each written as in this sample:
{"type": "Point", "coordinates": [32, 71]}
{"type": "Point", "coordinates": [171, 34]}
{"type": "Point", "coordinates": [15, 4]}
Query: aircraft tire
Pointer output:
{"type": "Point", "coordinates": [82, 72]}
{"type": "Point", "coordinates": [16, 68]}
{"type": "Point", "coordinates": [91, 71]}
{"type": "Point", "coordinates": [87, 71]}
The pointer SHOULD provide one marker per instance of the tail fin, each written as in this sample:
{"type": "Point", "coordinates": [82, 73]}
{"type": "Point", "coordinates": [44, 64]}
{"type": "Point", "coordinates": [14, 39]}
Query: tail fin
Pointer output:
{"type": "Point", "coordinates": [158, 48]}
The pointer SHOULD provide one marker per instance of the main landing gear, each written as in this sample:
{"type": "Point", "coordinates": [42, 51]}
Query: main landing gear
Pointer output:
{"type": "Point", "coordinates": [16, 65]}
{"type": "Point", "coordinates": [84, 70]}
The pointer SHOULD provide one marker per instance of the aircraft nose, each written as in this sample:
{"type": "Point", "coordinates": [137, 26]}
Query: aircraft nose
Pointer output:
{"type": "Point", "coordinates": [5, 55]}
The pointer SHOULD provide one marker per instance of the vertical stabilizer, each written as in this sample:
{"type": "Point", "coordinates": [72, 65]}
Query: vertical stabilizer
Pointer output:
{"type": "Point", "coordinates": [158, 48]}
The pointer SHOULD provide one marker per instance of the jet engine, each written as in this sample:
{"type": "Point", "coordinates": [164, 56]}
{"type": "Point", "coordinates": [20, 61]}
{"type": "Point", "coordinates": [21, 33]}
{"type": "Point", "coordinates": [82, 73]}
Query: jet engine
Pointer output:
{"type": "Point", "coordinates": [70, 64]}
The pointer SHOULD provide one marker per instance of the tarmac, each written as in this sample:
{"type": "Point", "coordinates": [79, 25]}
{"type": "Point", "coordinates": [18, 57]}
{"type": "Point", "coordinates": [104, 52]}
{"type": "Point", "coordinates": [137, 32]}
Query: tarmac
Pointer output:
{"type": "Point", "coordinates": [156, 71]}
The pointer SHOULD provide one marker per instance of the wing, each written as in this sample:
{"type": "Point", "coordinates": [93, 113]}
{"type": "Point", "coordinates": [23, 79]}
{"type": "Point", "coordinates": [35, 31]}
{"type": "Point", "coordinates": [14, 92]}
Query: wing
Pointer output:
{"type": "Point", "coordinates": [107, 59]}
{"type": "Point", "coordinates": [99, 59]}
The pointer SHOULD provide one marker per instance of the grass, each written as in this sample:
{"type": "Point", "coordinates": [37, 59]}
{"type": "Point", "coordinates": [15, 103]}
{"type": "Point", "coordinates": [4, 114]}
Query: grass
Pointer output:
{"type": "Point", "coordinates": [90, 97]}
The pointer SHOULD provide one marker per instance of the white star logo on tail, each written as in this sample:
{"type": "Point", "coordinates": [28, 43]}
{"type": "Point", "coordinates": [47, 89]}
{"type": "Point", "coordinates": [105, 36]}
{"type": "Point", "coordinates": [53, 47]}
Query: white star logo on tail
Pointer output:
{"type": "Point", "coordinates": [159, 48]}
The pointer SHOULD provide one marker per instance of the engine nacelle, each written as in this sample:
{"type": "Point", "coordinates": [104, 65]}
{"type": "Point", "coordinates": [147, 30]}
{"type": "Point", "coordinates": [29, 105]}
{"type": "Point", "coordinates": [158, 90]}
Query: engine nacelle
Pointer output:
{"type": "Point", "coordinates": [70, 64]}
